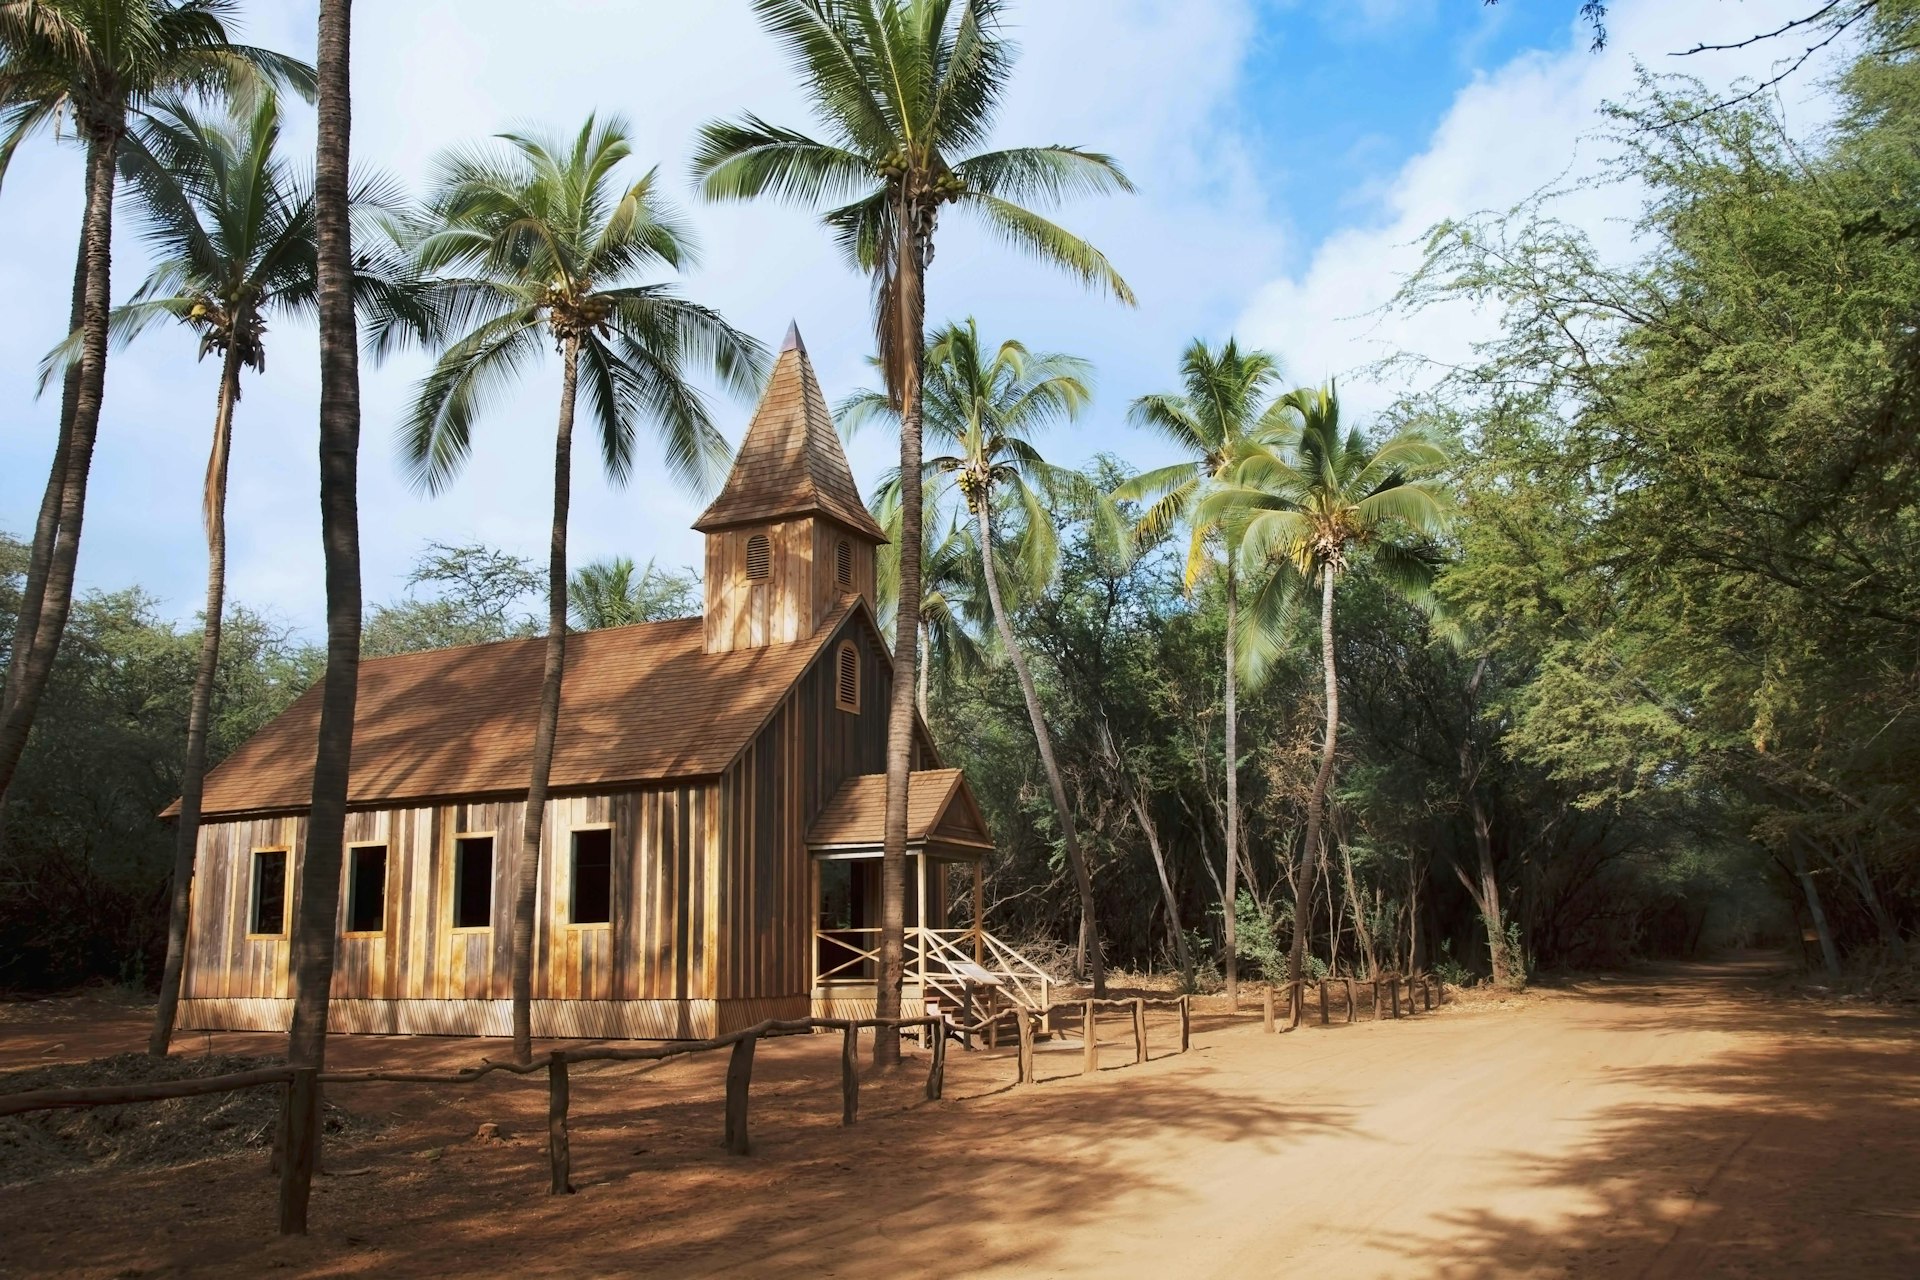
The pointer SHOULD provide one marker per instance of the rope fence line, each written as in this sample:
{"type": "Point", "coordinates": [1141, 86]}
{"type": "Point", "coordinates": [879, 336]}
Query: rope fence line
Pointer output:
{"type": "Point", "coordinates": [297, 1153]}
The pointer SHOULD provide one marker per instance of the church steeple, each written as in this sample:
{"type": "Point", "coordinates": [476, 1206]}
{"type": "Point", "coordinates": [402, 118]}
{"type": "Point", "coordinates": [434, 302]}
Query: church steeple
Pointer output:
{"type": "Point", "coordinates": [788, 536]}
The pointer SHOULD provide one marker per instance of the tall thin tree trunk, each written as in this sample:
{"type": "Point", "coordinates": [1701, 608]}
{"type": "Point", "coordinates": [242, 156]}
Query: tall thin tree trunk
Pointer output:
{"type": "Point", "coordinates": [1183, 954]}
{"type": "Point", "coordinates": [1829, 954]}
{"type": "Point", "coordinates": [1309, 855]}
{"type": "Point", "coordinates": [1229, 939]}
{"type": "Point", "coordinates": [317, 913]}
{"type": "Point", "coordinates": [526, 878]}
{"type": "Point", "coordinates": [1357, 907]}
{"type": "Point", "coordinates": [47, 525]}
{"type": "Point", "coordinates": [926, 653]}
{"type": "Point", "coordinates": [908, 342]}
{"type": "Point", "coordinates": [186, 836]}
{"type": "Point", "coordinates": [1043, 738]}
{"type": "Point", "coordinates": [317, 902]}
{"type": "Point", "coordinates": [56, 600]}
{"type": "Point", "coordinates": [1488, 898]}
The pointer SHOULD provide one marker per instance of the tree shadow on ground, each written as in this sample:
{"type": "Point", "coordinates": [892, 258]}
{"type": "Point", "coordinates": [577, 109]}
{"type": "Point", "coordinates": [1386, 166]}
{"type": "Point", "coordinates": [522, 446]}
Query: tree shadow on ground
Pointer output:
{"type": "Point", "coordinates": [982, 1178]}
{"type": "Point", "coordinates": [1789, 1144]}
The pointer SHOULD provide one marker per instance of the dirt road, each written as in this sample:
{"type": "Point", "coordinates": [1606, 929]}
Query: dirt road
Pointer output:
{"type": "Point", "coordinates": [1680, 1124]}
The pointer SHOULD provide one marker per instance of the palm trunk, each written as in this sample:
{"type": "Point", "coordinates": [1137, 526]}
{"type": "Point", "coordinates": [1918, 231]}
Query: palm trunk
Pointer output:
{"type": "Point", "coordinates": [1303, 904]}
{"type": "Point", "coordinates": [1229, 940]}
{"type": "Point", "coordinates": [908, 343]}
{"type": "Point", "coordinates": [186, 836]}
{"type": "Point", "coordinates": [926, 663]}
{"type": "Point", "coordinates": [1076, 857]}
{"type": "Point", "coordinates": [526, 882]}
{"type": "Point", "coordinates": [47, 525]}
{"type": "Point", "coordinates": [56, 600]}
{"type": "Point", "coordinates": [317, 912]}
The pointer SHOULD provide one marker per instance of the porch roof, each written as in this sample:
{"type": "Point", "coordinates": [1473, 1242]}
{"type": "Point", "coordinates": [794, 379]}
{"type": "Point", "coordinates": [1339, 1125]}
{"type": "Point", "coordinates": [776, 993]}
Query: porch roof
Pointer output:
{"type": "Point", "coordinates": [942, 816]}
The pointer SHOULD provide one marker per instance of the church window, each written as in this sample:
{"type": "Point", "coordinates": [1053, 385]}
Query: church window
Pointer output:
{"type": "Point", "coordinates": [759, 557]}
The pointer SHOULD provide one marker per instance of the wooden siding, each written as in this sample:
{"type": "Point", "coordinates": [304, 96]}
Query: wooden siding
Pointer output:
{"type": "Point", "coordinates": [770, 797]}
{"type": "Point", "coordinates": [660, 944]}
{"type": "Point", "coordinates": [799, 591]}
{"type": "Point", "coordinates": [563, 1019]}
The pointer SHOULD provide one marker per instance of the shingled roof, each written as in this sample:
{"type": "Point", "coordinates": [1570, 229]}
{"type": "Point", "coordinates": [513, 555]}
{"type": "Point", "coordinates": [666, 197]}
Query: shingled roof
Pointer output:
{"type": "Point", "coordinates": [940, 809]}
{"type": "Point", "coordinates": [640, 703]}
{"type": "Point", "coordinates": [790, 463]}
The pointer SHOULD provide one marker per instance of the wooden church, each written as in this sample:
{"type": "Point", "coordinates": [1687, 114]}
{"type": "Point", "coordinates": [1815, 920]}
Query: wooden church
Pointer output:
{"type": "Point", "coordinates": [712, 843]}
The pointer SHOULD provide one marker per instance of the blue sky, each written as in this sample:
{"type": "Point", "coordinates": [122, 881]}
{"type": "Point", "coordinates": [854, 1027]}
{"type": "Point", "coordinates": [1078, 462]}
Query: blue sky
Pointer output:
{"type": "Point", "coordinates": [1288, 153]}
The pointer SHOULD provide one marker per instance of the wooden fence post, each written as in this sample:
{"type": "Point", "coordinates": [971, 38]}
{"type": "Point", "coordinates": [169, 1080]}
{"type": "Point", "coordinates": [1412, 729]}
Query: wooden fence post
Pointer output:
{"type": "Point", "coordinates": [1352, 1000]}
{"type": "Point", "coordinates": [1393, 995]}
{"type": "Point", "coordinates": [1323, 1002]}
{"type": "Point", "coordinates": [937, 1072]}
{"type": "Point", "coordinates": [559, 1150]}
{"type": "Point", "coordinates": [739, 1078]}
{"type": "Point", "coordinates": [850, 1073]}
{"type": "Point", "coordinates": [1376, 999]}
{"type": "Point", "coordinates": [1139, 1031]}
{"type": "Point", "coordinates": [1186, 1023]}
{"type": "Point", "coordinates": [301, 1124]}
{"type": "Point", "coordinates": [1426, 992]}
{"type": "Point", "coordinates": [1266, 1009]}
{"type": "Point", "coordinates": [1026, 1048]}
{"type": "Point", "coordinates": [1090, 1046]}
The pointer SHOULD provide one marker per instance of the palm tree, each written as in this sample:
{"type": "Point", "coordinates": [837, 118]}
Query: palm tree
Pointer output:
{"type": "Point", "coordinates": [94, 62]}
{"type": "Point", "coordinates": [1310, 502]}
{"type": "Point", "coordinates": [233, 232]}
{"type": "Point", "coordinates": [312, 944]}
{"type": "Point", "coordinates": [619, 593]}
{"type": "Point", "coordinates": [538, 246]}
{"type": "Point", "coordinates": [1214, 419]}
{"type": "Point", "coordinates": [987, 410]}
{"type": "Point", "coordinates": [907, 88]}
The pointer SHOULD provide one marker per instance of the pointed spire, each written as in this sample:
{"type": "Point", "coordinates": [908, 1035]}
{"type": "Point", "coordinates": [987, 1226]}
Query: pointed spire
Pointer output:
{"type": "Point", "coordinates": [790, 462]}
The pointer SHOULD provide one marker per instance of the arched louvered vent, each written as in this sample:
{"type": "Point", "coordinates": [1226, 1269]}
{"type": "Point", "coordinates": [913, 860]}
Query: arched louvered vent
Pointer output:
{"type": "Point", "coordinates": [759, 557]}
{"type": "Point", "coordinates": [843, 563]}
{"type": "Point", "coordinates": [846, 694]}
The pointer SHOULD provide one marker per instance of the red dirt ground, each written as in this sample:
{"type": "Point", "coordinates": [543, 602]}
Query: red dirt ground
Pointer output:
{"type": "Point", "coordinates": [1683, 1123]}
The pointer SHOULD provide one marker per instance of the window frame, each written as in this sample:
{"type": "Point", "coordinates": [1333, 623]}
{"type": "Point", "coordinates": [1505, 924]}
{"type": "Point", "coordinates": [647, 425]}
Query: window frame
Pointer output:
{"type": "Point", "coordinates": [453, 882]}
{"type": "Point", "coordinates": [573, 863]}
{"type": "Point", "coordinates": [253, 891]}
{"type": "Point", "coordinates": [840, 652]}
{"type": "Point", "coordinates": [386, 883]}
{"type": "Point", "coordinates": [843, 560]}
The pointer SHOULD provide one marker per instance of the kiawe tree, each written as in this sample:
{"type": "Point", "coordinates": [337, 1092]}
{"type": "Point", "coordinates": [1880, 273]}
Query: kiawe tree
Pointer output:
{"type": "Point", "coordinates": [95, 63]}
{"type": "Point", "coordinates": [539, 247]}
{"type": "Point", "coordinates": [232, 227]}
{"type": "Point", "coordinates": [1218, 413]}
{"type": "Point", "coordinates": [909, 89]}
{"type": "Point", "coordinates": [1311, 500]}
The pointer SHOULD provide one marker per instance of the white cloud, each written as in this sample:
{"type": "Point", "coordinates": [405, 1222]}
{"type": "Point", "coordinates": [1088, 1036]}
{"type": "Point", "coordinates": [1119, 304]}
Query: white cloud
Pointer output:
{"type": "Point", "coordinates": [1529, 125]}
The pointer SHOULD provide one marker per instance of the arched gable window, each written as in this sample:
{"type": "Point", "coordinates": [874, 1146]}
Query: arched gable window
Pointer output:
{"type": "Point", "coordinates": [846, 671]}
{"type": "Point", "coordinates": [759, 557]}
